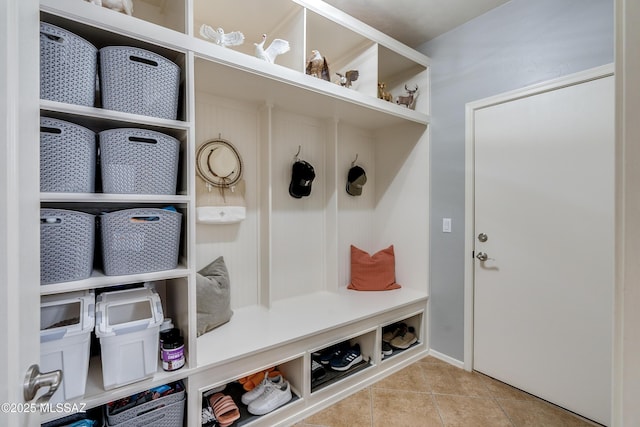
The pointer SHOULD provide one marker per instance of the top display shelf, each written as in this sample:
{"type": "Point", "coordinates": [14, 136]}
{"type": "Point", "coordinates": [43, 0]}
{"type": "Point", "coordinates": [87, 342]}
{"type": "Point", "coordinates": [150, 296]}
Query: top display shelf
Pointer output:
{"type": "Point", "coordinates": [306, 25]}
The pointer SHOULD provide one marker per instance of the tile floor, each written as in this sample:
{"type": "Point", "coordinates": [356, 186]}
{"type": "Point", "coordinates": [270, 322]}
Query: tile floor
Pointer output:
{"type": "Point", "coordinates": [431, 392]}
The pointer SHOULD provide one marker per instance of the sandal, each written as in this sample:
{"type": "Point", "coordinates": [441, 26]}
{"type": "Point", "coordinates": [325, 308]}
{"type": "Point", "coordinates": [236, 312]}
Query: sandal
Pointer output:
{"type": "Point", "coordinates": [254, 380]}
{"type": "Point", "coordinates": [394, 331]}
{"type": "Point", "coordinates": [224, 409]}
{"type": "Point", "coordinates": [404, 341]}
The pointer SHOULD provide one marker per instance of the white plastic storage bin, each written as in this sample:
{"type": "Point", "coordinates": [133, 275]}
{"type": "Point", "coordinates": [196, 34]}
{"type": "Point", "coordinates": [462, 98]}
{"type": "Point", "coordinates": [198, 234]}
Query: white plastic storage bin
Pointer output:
{"type": "Point", "coordinates": [68, 65]}
{"type": "Point", "coordinates": [67, 240]}
{"type": "Point", "coordinates": [137, 81]}
{"type": "Point", "coordinates": [66, 321]}
{"type": "Point", "coordinates": [67, 157]}
{"type": "Point", "coordinates": [128, 325]}
{"type": "Point", "coordinates": [138, 161]}
{"type": "Point", "coordinates": [140, 240]}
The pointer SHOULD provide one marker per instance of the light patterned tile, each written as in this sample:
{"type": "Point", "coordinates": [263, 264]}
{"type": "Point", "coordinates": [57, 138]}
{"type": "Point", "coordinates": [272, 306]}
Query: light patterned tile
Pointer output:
{"type": "Point", "coordinates": [410, 378]}
{"type": "Point", "coordinates": [463, 411]}
{"type": "Point", "coordinates": [500, 390]}
{"type": "Point", "coordinates": [534, 413]}
{"type": "Point", "coordinates": [434, 360]}
{"type": "Point", "coordinates": [447, 379]}
{"type": "Point", "coordinates": [353, 411]}
{"type": "Point", "coordinates": [403, 408]}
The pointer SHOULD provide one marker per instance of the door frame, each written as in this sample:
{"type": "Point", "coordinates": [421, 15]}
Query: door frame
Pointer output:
{"type": "Point", "coordinates": [19, 204]}
{"type": "Point", "coordinates": [469, 240]}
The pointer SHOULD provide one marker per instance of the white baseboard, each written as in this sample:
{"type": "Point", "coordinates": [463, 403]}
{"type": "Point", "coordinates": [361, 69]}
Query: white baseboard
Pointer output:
{"type": "Point", "coordinates": [445, 358]}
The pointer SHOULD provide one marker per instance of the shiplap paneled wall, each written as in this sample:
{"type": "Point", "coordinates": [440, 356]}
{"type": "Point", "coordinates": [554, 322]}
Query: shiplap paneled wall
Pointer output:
{"type": "Point", "coordinates": [298, 225]}
{"type": "Point", "coordinates": [236, 122]}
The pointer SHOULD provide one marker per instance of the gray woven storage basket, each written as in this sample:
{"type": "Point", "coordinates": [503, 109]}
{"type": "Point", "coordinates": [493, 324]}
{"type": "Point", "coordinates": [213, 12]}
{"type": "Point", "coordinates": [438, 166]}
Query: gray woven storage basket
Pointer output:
{"type": "Point", "coordinates": [138, 161]}
{"type": "Point", "coordinates": [66, 245]}
{"type": "Point", "coordinates": [137, 81]}
{"type": "Point", "coordinates": [67, 157]}
{"type": "Point", "coordinates": [140, 240]}
{"type": "Point", "coordinates": [167, 411]}
{"type": "Point", "coordinates": [68, 66]}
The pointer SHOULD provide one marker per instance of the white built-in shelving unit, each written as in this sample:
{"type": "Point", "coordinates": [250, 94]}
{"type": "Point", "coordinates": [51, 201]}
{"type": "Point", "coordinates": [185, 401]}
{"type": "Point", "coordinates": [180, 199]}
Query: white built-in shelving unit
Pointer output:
{"type": "Point", "coordinates": [289, 259]}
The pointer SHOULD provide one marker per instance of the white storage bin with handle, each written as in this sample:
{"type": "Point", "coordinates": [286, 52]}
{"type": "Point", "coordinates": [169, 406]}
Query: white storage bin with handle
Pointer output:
{"type": "Point", "coordinates": [66, 321]}
{"type": "Point", "coordinates": [128, 324]}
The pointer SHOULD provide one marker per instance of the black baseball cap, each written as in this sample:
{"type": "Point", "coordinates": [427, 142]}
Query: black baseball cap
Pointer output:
{"type": "Point", "coordinates": [302, 175]}
{"type": "Point", "coordinates": [355, 180]}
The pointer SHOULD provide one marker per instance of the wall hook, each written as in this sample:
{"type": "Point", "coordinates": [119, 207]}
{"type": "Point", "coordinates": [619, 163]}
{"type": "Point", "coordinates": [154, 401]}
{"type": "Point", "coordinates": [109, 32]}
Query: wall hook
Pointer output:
{"type": "Point", "coordinates": [298, 153]}
{"type": "Point", "coordinates": [354, 161]}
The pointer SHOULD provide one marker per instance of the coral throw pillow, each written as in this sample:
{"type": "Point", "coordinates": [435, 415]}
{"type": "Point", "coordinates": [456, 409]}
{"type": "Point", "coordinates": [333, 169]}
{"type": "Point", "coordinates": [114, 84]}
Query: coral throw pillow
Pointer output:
{"type": "Point", "coordinates": [373, 273]}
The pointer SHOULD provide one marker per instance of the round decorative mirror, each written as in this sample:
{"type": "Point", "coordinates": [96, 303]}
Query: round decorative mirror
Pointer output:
{"type": "Point", "coordinates": [218, 163]}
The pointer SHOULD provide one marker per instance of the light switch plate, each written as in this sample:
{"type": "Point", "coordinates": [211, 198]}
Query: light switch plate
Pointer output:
{"type": "Point", "coordinates": [446, 225]}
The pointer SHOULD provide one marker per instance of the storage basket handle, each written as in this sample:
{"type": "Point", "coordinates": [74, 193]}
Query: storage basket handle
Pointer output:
{"type": "Point", "coordinates": [143, 219]}
{"type": "Point", "coordinates": [151, 421]}
{"type": "Point", "coordinates": [145, 61]}
{"type": "Point", "coordinates": [51, 129]}
{"type": "Point", "coordinates": [50, 220]}
{"type": "Point", "coordinates": [143, 140]}
{"type": "Point", "coordinates": [53, 38]}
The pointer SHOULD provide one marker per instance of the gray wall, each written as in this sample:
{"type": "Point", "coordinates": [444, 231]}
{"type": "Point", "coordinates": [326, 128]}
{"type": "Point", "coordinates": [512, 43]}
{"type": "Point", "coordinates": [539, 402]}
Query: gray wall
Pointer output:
{"type": "Point", "coordinates": [518, 44]}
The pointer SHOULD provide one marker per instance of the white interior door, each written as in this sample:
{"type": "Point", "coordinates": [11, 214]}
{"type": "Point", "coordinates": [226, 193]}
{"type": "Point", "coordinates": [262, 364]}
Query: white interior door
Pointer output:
{"type": "Point", "coordinates": [544, 198]}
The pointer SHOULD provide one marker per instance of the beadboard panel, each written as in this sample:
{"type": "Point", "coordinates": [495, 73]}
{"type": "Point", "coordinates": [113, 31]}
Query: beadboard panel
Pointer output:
{"type": "Point", "coordinates": [237, 123]}
{"type": "Point", "coordinates": [355, 213]}
{"type": "Point", "coordinates": [298, 225]}
{"type": "Point", "coordinates": [402, 200]}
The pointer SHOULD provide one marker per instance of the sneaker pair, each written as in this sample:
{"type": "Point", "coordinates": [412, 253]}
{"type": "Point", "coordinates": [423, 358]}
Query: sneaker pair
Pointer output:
{"type": "Point", "coordinates": [386, 349]}
{"type": "Point", "coordinates": [269, 395]}
{"type": "Point", "coordinates": [317, 370]}
{"type": "Point", "coordinates": [333, 352]}
{"type": "Point", "coordinates": [346, 359]}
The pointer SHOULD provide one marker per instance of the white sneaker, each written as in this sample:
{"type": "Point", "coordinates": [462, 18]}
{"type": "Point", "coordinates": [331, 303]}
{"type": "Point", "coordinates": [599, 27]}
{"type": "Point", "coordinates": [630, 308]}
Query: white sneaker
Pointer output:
{"type": "Point", "coordinates": [257, 391]}
{"type": "Point", "coordinates": [274, 396]}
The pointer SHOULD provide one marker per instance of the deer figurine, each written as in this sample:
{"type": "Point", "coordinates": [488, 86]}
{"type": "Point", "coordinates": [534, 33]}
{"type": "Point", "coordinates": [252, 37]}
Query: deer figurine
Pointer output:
{"type": "Point", "coordinates": [407, 100]}
{"type": "Point", "coordinates": [382, 92]}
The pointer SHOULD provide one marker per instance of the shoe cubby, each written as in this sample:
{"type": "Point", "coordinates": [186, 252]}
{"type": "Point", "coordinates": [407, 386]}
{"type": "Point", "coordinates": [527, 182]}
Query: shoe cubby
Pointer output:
{"type": "Point", "coordinates": [400, 336]}
{"type": "Point", "coordinates": [253, 397]}
{"type": "Point", "coordinates": [340, 360]}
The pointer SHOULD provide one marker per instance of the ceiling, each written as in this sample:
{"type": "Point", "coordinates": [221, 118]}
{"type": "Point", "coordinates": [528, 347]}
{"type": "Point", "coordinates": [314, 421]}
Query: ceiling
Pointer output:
{"type": "Point", "coordinates": [414, 22]}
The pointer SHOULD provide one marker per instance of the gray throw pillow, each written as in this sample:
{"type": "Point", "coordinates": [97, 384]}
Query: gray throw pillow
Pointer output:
{"type": "Point", "coordinates": [213, 296]}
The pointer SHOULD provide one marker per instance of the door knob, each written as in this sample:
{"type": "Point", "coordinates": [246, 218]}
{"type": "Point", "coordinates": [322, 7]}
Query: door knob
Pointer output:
{"type": "Point", "coordinates": [482, 256]}
{"type": "Point", "coordinates": [35, 380]}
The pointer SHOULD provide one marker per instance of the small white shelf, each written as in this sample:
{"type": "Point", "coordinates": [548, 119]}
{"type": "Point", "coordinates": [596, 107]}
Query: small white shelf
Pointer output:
{"type": "Point", "coordinates": [97, 198]}
{"type": "Point", "coordinates": [263, 83]}
{"type": "Point", "coordinates": [95, 394]}
{"type": "Point", "coordinates": [256, 328]}
{"type": "Point", "coordinates": [99, 280]}
{"type": "Point", "coordinates": [88, 115]}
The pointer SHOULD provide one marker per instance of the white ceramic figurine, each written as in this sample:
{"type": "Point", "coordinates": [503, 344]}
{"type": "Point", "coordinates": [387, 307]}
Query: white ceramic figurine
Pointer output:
{"type": "Point", "coordinates": [125, 6]}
